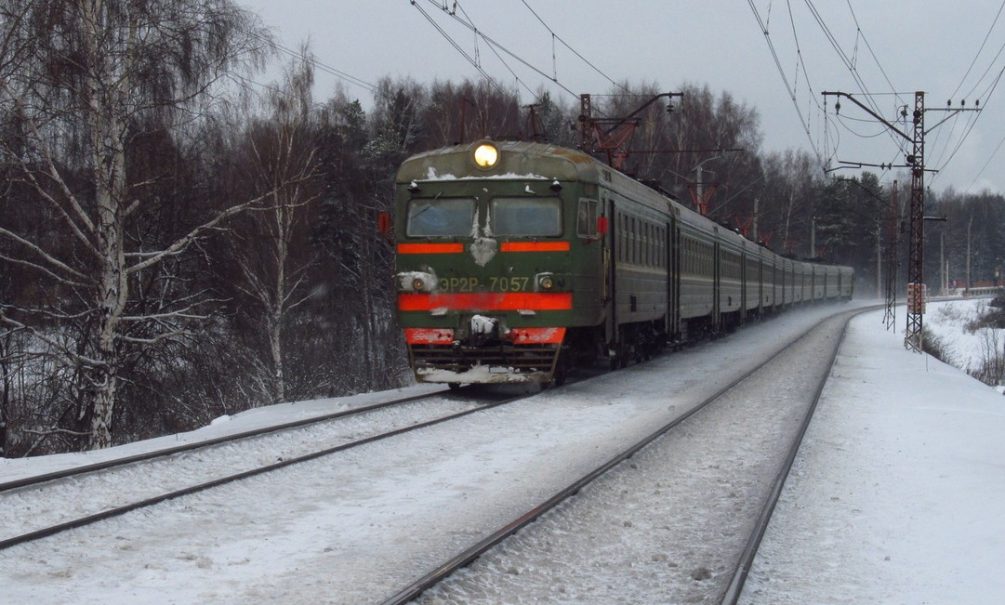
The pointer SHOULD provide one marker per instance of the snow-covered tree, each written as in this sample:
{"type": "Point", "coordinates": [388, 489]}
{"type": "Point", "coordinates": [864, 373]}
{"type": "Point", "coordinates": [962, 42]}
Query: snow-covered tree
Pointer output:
{"type": "Point", "coordinates": [82, 81]}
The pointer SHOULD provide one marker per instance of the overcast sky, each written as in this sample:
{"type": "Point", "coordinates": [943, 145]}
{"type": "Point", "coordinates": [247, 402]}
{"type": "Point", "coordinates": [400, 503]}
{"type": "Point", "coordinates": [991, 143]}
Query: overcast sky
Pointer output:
{"type": "Point", "coordinates": [918, 44]}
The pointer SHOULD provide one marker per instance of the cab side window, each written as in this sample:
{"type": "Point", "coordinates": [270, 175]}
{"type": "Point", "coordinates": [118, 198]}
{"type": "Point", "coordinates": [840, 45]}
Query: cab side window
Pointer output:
{"type": "Point", "coordinates": [586, 218]}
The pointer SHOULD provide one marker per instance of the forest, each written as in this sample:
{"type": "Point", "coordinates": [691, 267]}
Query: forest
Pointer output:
{"type": "Point", "coordinates": [179, 241]}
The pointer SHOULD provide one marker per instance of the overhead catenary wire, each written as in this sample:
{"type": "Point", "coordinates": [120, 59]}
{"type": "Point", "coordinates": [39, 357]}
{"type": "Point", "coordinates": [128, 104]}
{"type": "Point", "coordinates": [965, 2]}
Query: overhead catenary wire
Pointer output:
{"type": "Point", "coordinates": [972, 123]}
{"type": "Point", "coordinates": [952, 131]}
{"type": "Point", "coordinates": [491, 42]}
{"type": "Point", "coordinates": [841, 120]}
{"type": "Point", "coordinates": [495, 52]}
{"type": "Point", "coordinates": [555, 36]}
{"type": "Point", "coordinates": [849, 64]}
{"type": "Point", "coordinates": [985, 166]}
{"type": "Point", "coordinates": [455, 44]}
{"type": "Point", "coordinates": [788, 87]}
{"type": "Point", "coordinates": [979, 50]}
{"type": "Point", "coordinates": [320, 66]}
{"type": "Point", "coordinates": [872, 53]}
{"type": "Point", "coordinates": [809, 85]}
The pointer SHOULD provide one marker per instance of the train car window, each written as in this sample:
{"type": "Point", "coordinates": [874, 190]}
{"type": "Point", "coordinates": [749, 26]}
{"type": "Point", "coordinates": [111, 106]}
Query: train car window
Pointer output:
{"type": "Point", "coordinates": [659, 246]}
{"type": "Point", "coordinates": [654, 246]}
{"type": "Point", "coordinates": [531, 216]}
{"type": "Point", "coordinates": [586, 218]}
{"type": "Point", "coordinates": [653, 242]}
{"type": "Point", "coordinates": [637, 248]}
{"type": "Point", "coordinates": [443, 217]}
{"type": "Point", "coordinates": [647, 244]}
{"type": "Point", "coordinates": [644, 241]}
{"type": "Point", "coordinates": [633, 254]}
{"type": "Point", "coordinates": [640, 249]}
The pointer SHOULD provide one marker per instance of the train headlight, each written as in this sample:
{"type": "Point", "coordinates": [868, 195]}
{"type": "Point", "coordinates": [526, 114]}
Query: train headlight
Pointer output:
{"type": "Point", "coordinates": [486, 155]}
{"type": "Point", "coordinates": [416, 281]}
{"type": "Point", "coordinates": [546, 282]}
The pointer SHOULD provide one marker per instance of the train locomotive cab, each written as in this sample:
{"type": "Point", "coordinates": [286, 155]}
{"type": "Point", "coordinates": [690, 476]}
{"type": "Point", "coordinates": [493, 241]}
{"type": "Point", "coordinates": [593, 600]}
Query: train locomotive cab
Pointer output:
{"type": "Point", "coordinates": [487, 254]}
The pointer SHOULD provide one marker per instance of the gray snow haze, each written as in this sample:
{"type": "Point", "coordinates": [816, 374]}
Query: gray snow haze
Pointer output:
{"type": "Point", "coordinates": [950, 50]}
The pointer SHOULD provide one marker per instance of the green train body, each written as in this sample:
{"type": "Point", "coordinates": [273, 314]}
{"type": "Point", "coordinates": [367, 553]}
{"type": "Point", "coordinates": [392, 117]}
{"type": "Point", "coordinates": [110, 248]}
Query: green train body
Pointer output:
{"type": "Point", "coordinates": [543, 258]}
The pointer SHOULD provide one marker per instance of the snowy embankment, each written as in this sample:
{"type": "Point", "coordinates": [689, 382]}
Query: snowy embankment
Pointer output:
{"type": "Point", "coordinates": [896, 494]}
{"type": "Point", "coordinates": [968, 349]}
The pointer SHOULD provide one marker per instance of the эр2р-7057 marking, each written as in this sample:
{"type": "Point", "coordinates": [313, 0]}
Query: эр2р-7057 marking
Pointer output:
{"type": "Point", "coordinates": [517, 261]}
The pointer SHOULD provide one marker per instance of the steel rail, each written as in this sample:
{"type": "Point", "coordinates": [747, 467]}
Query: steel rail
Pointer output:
{"type": "Point", "coordinates": [416, 588]}
{"type": "Point", "coordinates": [121, 510]}
{"type": "Point", "coordinates": [187, 447]}
{"type": "Point", "coordinates": [735, 588]}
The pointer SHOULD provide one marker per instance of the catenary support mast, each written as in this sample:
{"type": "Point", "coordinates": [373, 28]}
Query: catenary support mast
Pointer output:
{"type": "Point", "coordinates": [915, 259]}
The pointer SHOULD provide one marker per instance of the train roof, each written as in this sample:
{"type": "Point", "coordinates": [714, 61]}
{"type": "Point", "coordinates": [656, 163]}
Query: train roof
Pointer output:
{"type": "Point", "coordinates": [529, 161]}
{"type": "Point", "coordinates": [518, 160]}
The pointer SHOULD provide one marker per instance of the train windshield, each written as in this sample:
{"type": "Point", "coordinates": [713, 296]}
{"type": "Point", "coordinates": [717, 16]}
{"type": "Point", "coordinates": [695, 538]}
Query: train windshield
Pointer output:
{"type": "Point", "coordinates": [440, 217]}
{"type": "Point", "coordinates": [528, 216]}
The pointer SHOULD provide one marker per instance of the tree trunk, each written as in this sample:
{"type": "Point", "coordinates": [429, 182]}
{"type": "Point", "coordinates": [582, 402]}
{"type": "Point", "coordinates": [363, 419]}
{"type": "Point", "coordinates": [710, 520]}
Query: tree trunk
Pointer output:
{"type": "Point", "coordinates": [109, 158]}
{"type": "Point", "coordinates": [6, 381]}
{"type": "Point", "coordinates": [276, 349]}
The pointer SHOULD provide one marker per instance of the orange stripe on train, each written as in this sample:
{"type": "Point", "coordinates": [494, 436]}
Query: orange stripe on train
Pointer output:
{"type": "Point", "coordinates": [487, 301]}
{"type": "Point", "coordinates": [534, 247]}
{"type": "Point", "coordinates": [448, 248]}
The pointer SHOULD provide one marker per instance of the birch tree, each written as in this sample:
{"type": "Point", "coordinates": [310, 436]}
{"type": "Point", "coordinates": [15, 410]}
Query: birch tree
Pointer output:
{"type": "Point", "coordinates": [274, 265]}
{"type": "Point", "coordinates": [82, 80]}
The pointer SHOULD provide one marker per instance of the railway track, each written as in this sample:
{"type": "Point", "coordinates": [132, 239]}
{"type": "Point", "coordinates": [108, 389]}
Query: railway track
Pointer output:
{"type": "Point", "coordinates": [721, 584]}
{"type": "Point", "coordinates": [44, 505]}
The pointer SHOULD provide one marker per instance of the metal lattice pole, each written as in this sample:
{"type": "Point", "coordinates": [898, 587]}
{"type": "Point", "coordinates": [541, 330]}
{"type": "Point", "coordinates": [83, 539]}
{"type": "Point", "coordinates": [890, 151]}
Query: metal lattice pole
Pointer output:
{"type": "Point", "coordinates": [915, 263]}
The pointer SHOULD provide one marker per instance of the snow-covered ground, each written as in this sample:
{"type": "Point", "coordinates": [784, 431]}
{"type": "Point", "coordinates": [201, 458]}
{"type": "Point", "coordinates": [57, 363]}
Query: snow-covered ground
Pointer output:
{"type": "Point", "coordinates": [966, 349]}
{"type": "Point", "coordinates": [896, 495]}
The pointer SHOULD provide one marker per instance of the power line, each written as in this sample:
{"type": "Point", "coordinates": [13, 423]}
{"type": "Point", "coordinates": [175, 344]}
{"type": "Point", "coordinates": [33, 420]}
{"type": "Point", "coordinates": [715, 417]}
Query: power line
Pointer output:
{"type": "Point", "coordinates": [781, 71]}
{"type": "Point", "coordinates": [806, 73]}
{"type": "Point", "coordinates": [979, 50]}
{"type": "Point", "coordinates": [492, 42]}
{"type": "Point", "coordinates": [842, 119]}
{"type": "Point", "coordinates": [454, 43]}
{"type": "Point", "coordinates": [987, 70]}
{"type": "Point", "coordinates": [338, 73]}
{"type": "Point", "coordinates": [498, 56]}
{"type": "Point", "coordinates": [973, 122]}
{"type": "Point", "coordinates": [871, 52]}
{"type": "Point", "coordinates": [495, 52]}
{"type": "Point", "coordinates": [566, 44]}
{"type": "Point", "coordinates": [986, 164]}
{"type": "Point", "coordinates": [331, 70]}
{"type": "Point", "coordinates": [849, 64]}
